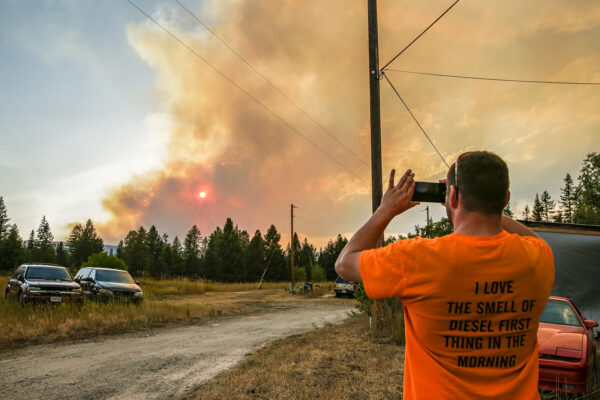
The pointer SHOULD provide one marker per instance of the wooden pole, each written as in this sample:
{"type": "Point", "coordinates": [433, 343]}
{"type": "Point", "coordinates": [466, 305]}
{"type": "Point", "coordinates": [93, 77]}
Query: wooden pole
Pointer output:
{"type": "Point", "coordinates": [292, 247]}
{"type": "Point", "coordinates": [376, 168]}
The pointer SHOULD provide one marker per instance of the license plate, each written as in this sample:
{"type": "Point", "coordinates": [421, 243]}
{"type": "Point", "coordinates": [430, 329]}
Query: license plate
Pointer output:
{"type": "Point", "coordinates": [55, 299]}
{"type": "Point", "coordinates": [343, 291]}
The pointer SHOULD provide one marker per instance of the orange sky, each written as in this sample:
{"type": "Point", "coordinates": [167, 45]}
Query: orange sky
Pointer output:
{"type": "Point", "coordinates": [251, 166]}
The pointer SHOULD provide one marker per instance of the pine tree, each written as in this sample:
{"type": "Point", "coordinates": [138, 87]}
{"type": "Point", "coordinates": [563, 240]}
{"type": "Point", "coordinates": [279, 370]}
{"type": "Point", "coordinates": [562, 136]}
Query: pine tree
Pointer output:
{"type": "Point", "coordinates": [526, 213]}
{"type": "Point", "coordinates": [255, 260]}
{"type": "Point", "coordinates": [192, 252]}
{"type": "Point", "coordinates": [507, 211]}
{"type": "Point", "coordinates": [329, 255]}
{"type": "Point", "coordinates": [588, 191]}
{"type": "Point", "coordinates": [4, 220]}
{"type": "Point", "coordinates": [537, 213]}
{"type": "Point", "coordinates": [44, 249]}
{"type": "Point", "coordinates": [83, 242]}
{"type": "Point", "coordinates": [558, 217]}
{"type": "Point", "coordinates": [135, 252]}
{"type": "Point", "coordinates": [277, 269]}
{"type": "Point", "coordinates": [567, 199]}
{"type": "Point", "coordinates": [11, 250]}
{"type": "Point", "coordinates": [61, 255]}
{"type": "Point", "coordinates": [548, 205]}
{"type": "Point", "coordinates": [155, 246]}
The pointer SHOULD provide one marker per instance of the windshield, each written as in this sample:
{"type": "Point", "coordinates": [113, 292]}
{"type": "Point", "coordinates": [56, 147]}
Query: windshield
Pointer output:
{"type": "Point", "coordinates": [113, 276]}
{"type": "Point", "coordinates": [341, 280]}
{"type": "Point", "coordinates": [57, 274]}
{"type": "Point", "coordinates": [560, 312]}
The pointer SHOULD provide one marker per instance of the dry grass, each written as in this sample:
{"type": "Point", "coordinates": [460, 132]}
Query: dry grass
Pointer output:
{"type": "Point", "coordinates": [48, 323]}
{"type": "Point", "coordinates": [182, 287]}
{"type": "Point", "coordinates": [334, 362]}
{"type": "Point", "coordinates": [176, 301]}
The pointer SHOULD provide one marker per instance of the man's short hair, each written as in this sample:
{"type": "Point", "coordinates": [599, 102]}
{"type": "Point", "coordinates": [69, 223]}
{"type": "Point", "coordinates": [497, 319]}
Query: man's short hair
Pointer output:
{"type": "Point", "coordinates": [482, 181]}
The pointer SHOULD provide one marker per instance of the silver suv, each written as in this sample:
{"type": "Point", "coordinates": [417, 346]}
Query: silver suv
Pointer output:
{"type": "Point", "coordinates": [43, 283]}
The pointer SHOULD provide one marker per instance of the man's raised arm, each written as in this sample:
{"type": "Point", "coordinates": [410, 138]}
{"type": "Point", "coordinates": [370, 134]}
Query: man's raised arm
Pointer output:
{"type": "Point", "coordinates": [396, 200]}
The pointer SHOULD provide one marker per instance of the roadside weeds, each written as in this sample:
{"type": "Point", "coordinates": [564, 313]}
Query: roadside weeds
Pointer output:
{"type": "Point", "coordinates": [338, 361]}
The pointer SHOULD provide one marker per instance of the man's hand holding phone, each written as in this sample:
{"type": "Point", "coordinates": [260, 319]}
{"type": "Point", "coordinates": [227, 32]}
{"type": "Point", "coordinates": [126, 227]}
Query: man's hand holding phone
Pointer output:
{"type": "Point", "coordinates": [398, 198]}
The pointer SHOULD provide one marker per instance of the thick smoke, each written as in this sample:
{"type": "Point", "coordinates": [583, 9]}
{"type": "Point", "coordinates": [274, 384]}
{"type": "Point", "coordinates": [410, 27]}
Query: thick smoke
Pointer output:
{"type": "Point", "coordinates": [252, 166]}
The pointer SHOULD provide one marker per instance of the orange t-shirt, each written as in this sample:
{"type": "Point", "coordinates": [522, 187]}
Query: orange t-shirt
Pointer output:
{"type": "Point", "coordinates": [472, 307]}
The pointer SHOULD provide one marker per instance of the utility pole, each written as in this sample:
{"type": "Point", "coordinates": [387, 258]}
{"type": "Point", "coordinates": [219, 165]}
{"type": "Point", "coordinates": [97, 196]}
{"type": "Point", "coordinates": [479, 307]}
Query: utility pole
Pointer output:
{"type": "Point", "coordinates": [427, 221]}
{"type": "Point", "coordinates": [376, 169]}
{"type": "Point", "coordinates": [292, 206]}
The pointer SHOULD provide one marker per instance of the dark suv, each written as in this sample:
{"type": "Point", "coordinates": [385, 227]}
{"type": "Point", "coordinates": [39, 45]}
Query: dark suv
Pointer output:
{"type": "Point", "coordinates": [43, 283]}
{"type": "Point", "coordinates": [107, 284]}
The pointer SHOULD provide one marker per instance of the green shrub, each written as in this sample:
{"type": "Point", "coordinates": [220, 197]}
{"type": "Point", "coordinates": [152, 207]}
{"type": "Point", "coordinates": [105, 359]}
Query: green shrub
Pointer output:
{"type": "Point", "coordinates": [318, 274]}
{"type": "Point", "coordinates": [103, 260]}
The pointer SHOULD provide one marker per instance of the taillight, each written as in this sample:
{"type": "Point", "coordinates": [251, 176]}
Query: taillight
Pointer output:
{"type": "Point", "coordinates": [354, 287]}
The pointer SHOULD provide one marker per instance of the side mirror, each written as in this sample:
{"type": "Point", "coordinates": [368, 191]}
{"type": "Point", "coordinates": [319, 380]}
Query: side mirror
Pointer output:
{"type": "Point", "coordinates": [137, 283]}
{"type": "Point", "coordinates": [21, 278]}
{"type": "Point", "coordinates": [89, 279]}
{"type": "Point", "coordinates": [590, 324]}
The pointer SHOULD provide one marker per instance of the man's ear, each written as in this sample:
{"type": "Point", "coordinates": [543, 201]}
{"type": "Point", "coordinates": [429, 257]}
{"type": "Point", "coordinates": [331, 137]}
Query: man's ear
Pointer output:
{"type": "Point", "coordinates": [453, 197]}
{"type": "Point", "coordinates": [507, 199]}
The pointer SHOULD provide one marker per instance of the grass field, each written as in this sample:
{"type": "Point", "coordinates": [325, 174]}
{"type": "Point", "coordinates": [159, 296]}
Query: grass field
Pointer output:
{"type": "Point", "coordinates": [166, 302]}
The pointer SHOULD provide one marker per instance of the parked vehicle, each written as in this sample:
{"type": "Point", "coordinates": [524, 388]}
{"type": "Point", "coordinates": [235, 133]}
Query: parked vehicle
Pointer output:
{"type": "Point", "coordinates": [567, 349]}
{"type": "Point", "coordinates": [106, 284]}
{"type": "Point", "coordinates": [43, 283]}
{"type": "Point", "coordinates": [343, 287]}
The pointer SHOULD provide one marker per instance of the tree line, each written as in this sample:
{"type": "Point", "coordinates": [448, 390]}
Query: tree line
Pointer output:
{"type": "Point", "coordinates": [228, 254]}
{"type": "Point", "coordinates": [579, 202]}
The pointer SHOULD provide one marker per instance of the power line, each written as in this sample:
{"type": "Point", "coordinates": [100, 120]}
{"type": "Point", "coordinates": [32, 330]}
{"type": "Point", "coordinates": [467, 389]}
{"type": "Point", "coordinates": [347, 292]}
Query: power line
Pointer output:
{"type": "Point", "coordinates": [417, 38]}
{"type": "Point", "coordinates": [494, 79]}
{"type": "Point", "coordinates": [244, 91]}
{"type": "Point", "coordinates": [272, 84]}
{"type": "Point", "coordinates": [413, 116]}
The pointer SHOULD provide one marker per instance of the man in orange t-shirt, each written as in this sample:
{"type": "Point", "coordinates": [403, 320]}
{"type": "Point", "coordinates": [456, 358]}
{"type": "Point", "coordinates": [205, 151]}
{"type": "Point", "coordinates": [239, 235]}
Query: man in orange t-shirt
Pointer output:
{"type": "Point", "coordinates": [472, 299]}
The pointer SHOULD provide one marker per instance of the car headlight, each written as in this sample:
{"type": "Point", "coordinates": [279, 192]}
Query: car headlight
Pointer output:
{"type": "Point", "coordinates": [105, 291]}
{"type": "Point", "coordinates": [34, 289]}
{"type": "Point", "coordinates": [138, 294]}
{"type": "Point", "coordinates": [77, 290]}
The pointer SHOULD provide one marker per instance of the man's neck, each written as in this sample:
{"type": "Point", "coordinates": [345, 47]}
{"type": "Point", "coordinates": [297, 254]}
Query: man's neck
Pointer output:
{"type": "Point", "coordinates": [476, 224]}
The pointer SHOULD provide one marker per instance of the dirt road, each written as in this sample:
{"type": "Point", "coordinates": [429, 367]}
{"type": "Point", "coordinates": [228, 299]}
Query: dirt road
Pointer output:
{"type": "Point", "coordinates": [158, 364]}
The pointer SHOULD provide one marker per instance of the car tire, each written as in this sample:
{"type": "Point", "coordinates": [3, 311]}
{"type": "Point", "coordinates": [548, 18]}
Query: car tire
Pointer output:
{"type": "Point", "coordinates": [338, 294]}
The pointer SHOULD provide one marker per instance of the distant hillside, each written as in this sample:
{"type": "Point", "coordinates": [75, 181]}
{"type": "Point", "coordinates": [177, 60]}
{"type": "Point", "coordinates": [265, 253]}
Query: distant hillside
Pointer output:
{"type": "Point", "coordinates": [109, 247]}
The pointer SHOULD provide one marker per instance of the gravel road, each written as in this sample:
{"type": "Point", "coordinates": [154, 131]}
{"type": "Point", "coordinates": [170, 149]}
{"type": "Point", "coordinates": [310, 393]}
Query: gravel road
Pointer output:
{"type": "Point", "coordinates": [158, 364]}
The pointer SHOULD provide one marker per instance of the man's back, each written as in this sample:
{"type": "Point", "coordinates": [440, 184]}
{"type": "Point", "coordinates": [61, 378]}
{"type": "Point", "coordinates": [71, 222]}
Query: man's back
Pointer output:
{"type": "Point", "coordinates": [472, 306]}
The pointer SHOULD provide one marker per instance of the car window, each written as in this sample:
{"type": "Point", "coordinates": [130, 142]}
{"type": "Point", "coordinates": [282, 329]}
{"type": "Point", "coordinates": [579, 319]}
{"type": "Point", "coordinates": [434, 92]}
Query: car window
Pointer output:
{"type": "Point", "coordinates": [341, 280]}
{"type": "Point", "coordinates": [92, 274]}
{"type": "Point", "coordinates": [17, 272]}
{"type": "Point", "coordinates": [59, 274]}
{"type": "Point", "coordinates": [560, 312]}
{"type": "Point", "coordinates": [103, 275]}
{"type": "Point", "coordinates": [83, 273]}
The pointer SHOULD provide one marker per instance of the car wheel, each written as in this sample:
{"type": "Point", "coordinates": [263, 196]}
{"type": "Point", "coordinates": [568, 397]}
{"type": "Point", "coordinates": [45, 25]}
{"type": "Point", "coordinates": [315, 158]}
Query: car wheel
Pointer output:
{"type": "Point", "coordinates": [338, 294]}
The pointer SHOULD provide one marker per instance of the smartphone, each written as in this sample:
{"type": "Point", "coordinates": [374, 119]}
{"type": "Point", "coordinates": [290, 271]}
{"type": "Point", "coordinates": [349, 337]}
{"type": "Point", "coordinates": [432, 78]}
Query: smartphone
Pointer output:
{"type": "Point", "coordinates": [430, 192]}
